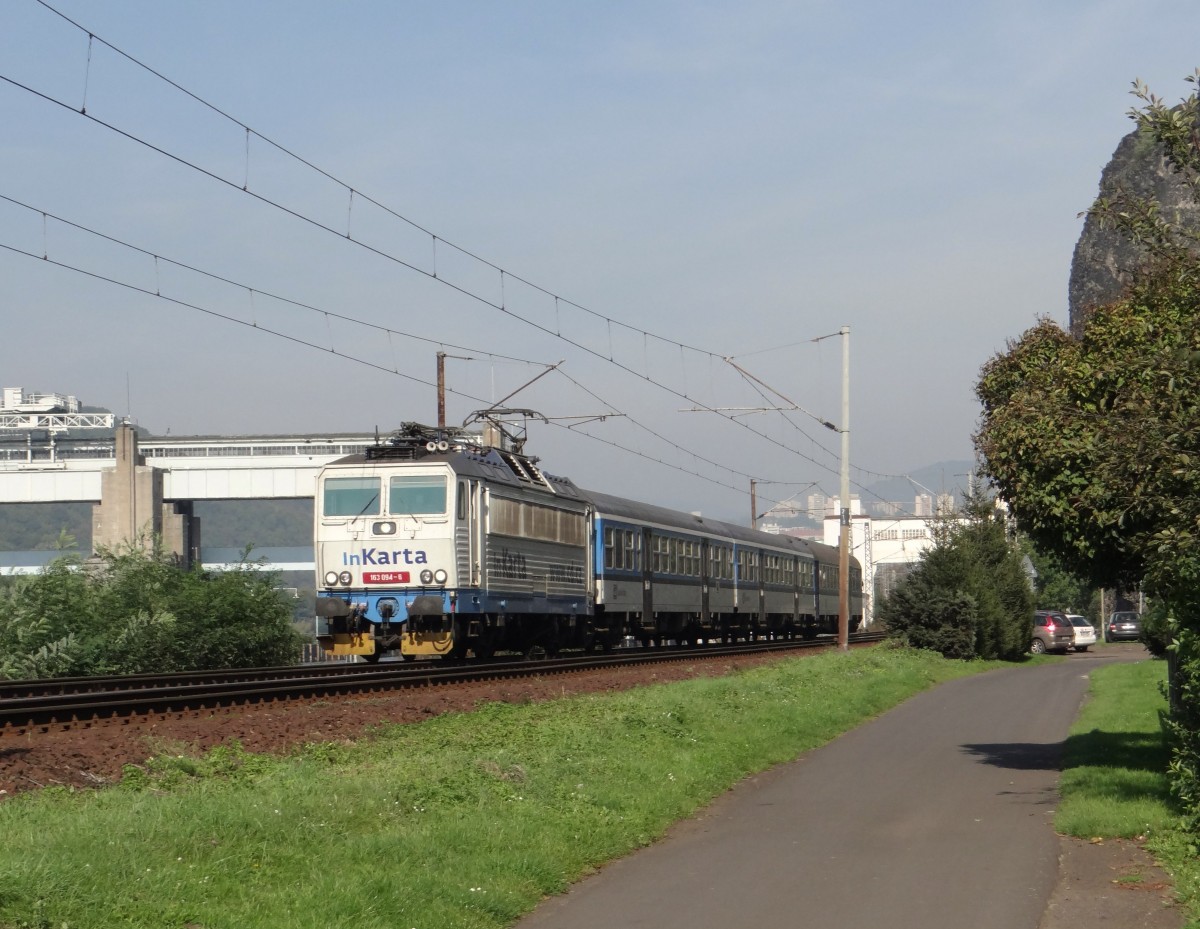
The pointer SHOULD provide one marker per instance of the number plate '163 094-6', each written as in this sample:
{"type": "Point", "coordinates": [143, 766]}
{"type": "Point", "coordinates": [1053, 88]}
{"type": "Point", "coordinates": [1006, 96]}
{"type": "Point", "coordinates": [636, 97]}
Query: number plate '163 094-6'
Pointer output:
{"type": "Point", "coordinates": [385, 577]}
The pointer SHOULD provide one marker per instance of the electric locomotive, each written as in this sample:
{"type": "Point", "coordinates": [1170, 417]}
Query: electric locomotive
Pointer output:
{"type": "Point", "coordinates": [437, 543]}
{"type": "Point", "coordinates": [434, 543]}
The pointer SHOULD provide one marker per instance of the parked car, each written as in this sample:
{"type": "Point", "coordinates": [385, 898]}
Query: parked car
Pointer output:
{"type": "Point", "coordinates": [1085, 632]}
{"type": "Point", "coordinates": [1052, 632]}
{"type": "Point", "coordinates": [1123, 626]}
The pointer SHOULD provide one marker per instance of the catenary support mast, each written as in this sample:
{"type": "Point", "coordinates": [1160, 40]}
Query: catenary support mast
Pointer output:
{"type": "Point", "coordinates": [844, 535]}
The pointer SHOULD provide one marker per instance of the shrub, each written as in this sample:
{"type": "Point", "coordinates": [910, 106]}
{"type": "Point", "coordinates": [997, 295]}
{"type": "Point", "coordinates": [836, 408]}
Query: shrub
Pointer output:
{"type": "Point", "coordinates": [136, 611]}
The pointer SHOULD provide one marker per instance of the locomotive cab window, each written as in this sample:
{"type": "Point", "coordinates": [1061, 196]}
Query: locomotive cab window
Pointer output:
{"type": "Point", "coordinates": [350, 496]}
{"type": "Point", "coordinates": [417, 494]}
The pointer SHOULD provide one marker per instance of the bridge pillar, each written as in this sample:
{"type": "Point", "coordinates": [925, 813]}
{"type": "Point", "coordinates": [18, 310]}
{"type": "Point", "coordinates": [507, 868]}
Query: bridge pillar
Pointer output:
{"type": "Point", "coordinates": [131, 511]}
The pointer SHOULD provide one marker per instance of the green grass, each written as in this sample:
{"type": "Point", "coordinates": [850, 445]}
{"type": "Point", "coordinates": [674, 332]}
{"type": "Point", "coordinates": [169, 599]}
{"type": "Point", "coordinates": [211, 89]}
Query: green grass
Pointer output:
{"type": "Point", "coordinates": [1114, 782]}
{"type": "Point", "coordinates": [463, 821]}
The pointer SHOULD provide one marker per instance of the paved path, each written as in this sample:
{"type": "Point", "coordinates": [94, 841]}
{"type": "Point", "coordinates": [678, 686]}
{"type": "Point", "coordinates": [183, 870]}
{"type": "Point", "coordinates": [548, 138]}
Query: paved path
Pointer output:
{"type": "Point", "coordinates": [934, 816]}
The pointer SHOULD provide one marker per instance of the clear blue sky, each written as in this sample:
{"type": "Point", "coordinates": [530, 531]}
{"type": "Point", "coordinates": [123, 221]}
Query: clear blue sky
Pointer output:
{"type": "Point", "coordinates": [737, 177]}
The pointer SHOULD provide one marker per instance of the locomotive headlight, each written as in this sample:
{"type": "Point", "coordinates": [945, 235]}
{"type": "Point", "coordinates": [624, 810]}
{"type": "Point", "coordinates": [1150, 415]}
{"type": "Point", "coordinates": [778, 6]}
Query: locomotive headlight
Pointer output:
{"type": "Point", "coordinates": [331, 578]}
{"type": "Point", "coordinates": [427, 576]}
{"type": "Point", "coordinates": [440, 576]}
{"type": "Point", "coordinates": [345, 578]}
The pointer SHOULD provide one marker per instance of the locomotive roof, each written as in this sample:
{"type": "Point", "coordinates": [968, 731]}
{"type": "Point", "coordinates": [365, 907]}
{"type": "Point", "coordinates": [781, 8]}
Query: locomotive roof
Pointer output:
{"type": "Point", "coordinates": [471, 460]}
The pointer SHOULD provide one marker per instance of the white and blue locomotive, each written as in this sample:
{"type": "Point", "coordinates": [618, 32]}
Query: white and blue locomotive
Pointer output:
{"type": "Point", "coordinates": [434, 543]}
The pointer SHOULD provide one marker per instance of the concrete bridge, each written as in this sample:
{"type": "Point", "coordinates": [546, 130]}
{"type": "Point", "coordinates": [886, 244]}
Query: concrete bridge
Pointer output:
{"type": "Point", "coordinates": [143, 489]}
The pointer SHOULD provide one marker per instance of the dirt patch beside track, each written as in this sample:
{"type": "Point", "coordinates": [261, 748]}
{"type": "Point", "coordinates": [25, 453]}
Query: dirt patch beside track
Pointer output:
{"type": "Point", "coordinates": [95, 756]}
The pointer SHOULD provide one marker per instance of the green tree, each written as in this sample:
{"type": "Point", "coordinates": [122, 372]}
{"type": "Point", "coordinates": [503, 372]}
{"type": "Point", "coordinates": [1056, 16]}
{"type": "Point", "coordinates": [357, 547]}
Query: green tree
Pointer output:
{"type": "Point", "coordinates": [1056, 587]}
{"type": "Point", "coordinates": [1094, 442]}
{"type": "Point", "coordinates": [969, 596]}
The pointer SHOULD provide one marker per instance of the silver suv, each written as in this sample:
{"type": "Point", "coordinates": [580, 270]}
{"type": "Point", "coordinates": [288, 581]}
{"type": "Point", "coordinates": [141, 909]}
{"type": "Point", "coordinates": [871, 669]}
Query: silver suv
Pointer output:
{"type": "Point", "coordinates": [1052, 632]}
{"type": "Point", "coordinates": [1123, 626]}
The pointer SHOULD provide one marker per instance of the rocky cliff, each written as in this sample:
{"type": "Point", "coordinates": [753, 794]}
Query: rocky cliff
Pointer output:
{"type": "Point", "coordinates": [1104, 259]}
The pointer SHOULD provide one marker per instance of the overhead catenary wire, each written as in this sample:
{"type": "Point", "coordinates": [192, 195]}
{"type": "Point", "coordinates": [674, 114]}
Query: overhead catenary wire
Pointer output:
{"type": "Point", "coordinates": [351, 191]}
{"type": "Point", "coordinates": [357, 360]}
{"type": "Point", "coordinates": [349, 188]}
{"type": "Point", "coordinates": [327, 314]}
{"type": "Point", "coordinates": [47, 216]}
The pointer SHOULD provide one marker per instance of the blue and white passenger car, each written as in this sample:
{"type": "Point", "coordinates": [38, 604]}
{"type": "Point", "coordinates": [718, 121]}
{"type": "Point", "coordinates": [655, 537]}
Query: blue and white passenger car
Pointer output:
{"type": "Point", "coordinates": [662, 574]}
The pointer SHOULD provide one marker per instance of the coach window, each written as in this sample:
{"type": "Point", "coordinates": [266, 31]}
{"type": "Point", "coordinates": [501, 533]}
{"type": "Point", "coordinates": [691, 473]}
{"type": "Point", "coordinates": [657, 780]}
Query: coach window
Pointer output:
{"type": "Point", "coordinates": [633, 550]}
{"type": "Point", "coordinates": [350, 496]}
{"type": "Point", "coordinates": [462, 500]}
{"type": "Point", "coordinates": [610, 551]}
{"type": "Point", "coordinates": [417, 494]}
{"type": "Point", "coordinates": [806, 575]}
{"type": "Point", "coordinates": [722, 567]}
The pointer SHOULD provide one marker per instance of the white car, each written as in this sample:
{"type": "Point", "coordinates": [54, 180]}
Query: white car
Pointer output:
{"type": "Point", "coordinates": [1085, 632]}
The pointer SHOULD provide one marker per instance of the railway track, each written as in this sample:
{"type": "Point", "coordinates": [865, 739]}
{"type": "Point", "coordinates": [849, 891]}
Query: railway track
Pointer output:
{"type": "Point", "coordinates": [38, 706]}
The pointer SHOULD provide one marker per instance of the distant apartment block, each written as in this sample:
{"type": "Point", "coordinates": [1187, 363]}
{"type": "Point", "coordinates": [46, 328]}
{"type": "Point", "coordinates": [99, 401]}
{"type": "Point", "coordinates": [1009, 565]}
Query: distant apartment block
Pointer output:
{"type": "Point", "coordinates": [833, 506]}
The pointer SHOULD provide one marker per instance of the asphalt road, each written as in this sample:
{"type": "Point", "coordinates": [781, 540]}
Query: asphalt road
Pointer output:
{"type": "Point", "coordinates": [937, 815]}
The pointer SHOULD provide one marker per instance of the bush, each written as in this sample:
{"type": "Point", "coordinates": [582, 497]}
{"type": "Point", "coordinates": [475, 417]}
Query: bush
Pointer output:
{"type": "Point", "coordinates": [138, 612]}
{"type": "Point", "coordinates": [1183, 725]}
{"type": "Point", "coordinates": [1157, 632]}
{"type": "Point", "coordinates": [927, 617]}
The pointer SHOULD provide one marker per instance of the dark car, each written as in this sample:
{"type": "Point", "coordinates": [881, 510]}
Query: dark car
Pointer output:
{"type": "Point", "coordinates": [1123, 626]}
{"type": "Point", "coordinates": [1052, 632]}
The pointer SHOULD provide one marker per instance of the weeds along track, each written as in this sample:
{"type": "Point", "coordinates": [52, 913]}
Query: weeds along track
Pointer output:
{"type": "Point", "coordinates": [28, 708]}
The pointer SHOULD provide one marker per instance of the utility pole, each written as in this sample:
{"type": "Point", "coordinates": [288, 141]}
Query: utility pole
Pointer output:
{"type": "Point", "coordinates": [753, 506]}
{"type": "Point", "coordinates": [441, 384]}
{"type": "Point", "coordinates": [844, 535]}
{"type": "Point", "coordinates": [441, 389]}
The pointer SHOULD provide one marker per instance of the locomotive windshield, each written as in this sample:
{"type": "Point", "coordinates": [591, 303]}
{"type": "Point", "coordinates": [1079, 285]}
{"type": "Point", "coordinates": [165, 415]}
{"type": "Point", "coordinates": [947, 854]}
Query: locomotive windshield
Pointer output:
{"type": "Point", "coordinates": [417, 494]}
{"type": "Point", "coordinates": [351, 496]}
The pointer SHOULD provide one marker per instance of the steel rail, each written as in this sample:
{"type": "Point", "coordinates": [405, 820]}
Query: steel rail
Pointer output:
{"type": "Point", "coordinates": [119, 698]}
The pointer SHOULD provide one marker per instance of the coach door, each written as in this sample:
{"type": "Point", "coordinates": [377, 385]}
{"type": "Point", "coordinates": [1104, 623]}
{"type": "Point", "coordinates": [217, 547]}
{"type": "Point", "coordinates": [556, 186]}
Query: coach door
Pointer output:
{"type": "Point", "coordinates": [760, 559]}
{"type": "Point", "coordinates": [647, 577]}
{"type": "Point", "coordinates": [796, 585]}
{"type": "Point", "coordinates": [705, 615]}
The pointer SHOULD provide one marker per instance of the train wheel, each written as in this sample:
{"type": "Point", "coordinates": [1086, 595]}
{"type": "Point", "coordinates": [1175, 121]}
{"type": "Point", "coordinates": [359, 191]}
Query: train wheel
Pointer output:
{"type": "Point", "coordinates": [375, 655]}
{"type": "Point", "coordinates": [458, 651]}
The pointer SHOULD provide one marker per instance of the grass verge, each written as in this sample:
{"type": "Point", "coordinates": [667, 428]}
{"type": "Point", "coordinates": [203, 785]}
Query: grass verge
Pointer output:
{"type": "Point", "coordinates": [1114, 783]}
{"type": "Point", "coordinates": [463, 821]}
